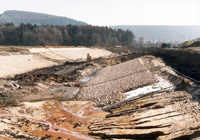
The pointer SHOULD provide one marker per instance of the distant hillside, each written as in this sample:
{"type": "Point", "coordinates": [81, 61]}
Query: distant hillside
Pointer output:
{"type": "Point", "coordinates": [188, 44]}
{"type": "Point", "coordinates": [195, 44]}
{"type": "Point", "coordinates": [185, 44]}
{"type": "Point", "coordinates": [173, 33]}
{"type": "Point", "coordinates": [18, 17]}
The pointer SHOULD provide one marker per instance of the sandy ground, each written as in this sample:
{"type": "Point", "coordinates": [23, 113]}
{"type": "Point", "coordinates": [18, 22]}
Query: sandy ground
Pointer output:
{"type": "Point", "coordinates": [70, 53]}
{"type": "Point", "coordinates": [17, 64]}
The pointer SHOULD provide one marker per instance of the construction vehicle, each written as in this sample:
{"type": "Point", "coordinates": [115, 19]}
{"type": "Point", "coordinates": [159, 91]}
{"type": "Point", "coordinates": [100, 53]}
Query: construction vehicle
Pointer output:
{"type": "Point", "coordinates": [89, 57]}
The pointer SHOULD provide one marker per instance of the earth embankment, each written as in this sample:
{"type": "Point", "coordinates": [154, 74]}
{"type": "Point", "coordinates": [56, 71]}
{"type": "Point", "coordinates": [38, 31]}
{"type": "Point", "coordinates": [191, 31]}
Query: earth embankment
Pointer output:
{"type": "Point", "coordinates": [182, 60]}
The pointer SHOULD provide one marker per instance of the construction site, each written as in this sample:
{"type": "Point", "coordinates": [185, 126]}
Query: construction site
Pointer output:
{"type": "Point", "coordinates": [93, 93]}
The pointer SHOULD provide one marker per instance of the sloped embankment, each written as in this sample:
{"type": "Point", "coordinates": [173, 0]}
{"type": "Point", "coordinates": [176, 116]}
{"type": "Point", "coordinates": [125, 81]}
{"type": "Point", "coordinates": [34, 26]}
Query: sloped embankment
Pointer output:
{"type": "Point", "coordinates": [184, 61]}
{"type": "Point", "coordinates": [107, 86]}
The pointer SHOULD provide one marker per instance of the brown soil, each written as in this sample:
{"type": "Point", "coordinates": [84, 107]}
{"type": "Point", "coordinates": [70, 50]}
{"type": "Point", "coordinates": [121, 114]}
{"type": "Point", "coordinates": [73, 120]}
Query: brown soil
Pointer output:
{"type": "Point", "coordinates": [59, 120]}
{"type": "Point", "coordinates": [64, 124]}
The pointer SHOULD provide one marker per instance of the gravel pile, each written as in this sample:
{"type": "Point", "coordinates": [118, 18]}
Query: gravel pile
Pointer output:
{"type": "Point", "coordinates": [107, 87]}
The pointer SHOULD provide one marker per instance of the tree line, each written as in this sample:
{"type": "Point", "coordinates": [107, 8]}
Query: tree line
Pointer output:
{"type": "Point", "coordinates": [49, 35]}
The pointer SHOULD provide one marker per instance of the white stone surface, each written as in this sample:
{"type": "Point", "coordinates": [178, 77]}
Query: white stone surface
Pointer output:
{"type": "Point", "coordinates": [161, 85]}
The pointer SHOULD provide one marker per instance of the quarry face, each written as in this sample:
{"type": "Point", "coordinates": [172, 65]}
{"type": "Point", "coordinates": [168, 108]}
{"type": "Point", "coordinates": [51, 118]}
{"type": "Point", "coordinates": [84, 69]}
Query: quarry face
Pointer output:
{"type": "Point", "coordinates": [112, 96]}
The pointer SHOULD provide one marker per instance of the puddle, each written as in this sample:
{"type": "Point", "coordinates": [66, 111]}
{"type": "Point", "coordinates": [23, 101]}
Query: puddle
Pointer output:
{"type": "Point", "coordinates": [88, 77]}
{"type": "Point", "coordinates": [65, 117]}
{"type": "Point", "coordinates": [83, 112]}
{"type": "Point", "coordinates": [65, 89]}
{"type": "Point", "coordinates": [64, 92]}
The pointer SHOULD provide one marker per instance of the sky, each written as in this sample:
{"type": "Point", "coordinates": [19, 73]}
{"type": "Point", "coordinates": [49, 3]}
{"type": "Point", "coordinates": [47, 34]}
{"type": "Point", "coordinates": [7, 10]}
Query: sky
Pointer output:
{"type": "Point", "coordinates": [114, 12]}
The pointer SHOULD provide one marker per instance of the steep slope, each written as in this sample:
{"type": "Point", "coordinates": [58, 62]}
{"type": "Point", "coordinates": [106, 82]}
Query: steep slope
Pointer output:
{"type": "Point", "coordinates": [18, 17]}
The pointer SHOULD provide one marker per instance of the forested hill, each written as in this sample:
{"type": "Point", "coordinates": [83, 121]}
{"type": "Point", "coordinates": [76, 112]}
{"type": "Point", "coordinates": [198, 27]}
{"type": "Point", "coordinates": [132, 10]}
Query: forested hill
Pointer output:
{"type": "Point", "coordinates": [84, 35]}
{"type": "Point", "coordinates": [18, 17]}
{"type": "Point", "coordinates": [173, 33]}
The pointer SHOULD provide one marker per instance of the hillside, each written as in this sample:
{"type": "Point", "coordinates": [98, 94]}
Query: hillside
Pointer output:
{"type": "Point", "coordinates": [186, 44]}
{"type": "Point", "coordinates": [18, 17]}
{"type": "Point", "coordinates": [173, 33]}
{"type": "Point", "coordinates": [195, 44]}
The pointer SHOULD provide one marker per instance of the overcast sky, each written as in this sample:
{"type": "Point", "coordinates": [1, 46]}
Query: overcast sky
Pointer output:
{"type": "Point", "coordinates": [114, 12]}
